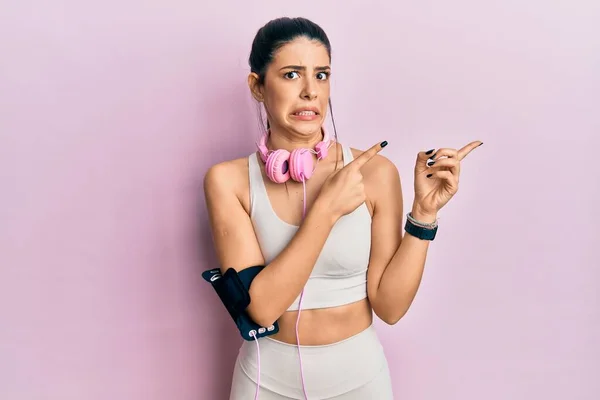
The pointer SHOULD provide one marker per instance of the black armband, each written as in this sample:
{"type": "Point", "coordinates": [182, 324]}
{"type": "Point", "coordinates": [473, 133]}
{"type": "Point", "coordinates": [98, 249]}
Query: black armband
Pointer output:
{"type": "Point", "coordinates": [233, 290]}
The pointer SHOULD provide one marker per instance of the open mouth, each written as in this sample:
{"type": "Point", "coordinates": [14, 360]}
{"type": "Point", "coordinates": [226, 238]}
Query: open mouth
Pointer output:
{"type": "Point", "coordinates": [306, 113]}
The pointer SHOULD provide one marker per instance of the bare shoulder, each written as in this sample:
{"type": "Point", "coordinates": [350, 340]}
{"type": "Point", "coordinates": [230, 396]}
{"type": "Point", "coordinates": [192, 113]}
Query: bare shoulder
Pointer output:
{"type": "Point", "coordinates": [382, 181]}
{"type": "Point", "coordinates": [227, 176]}
{"type": "Point", "coordinates": [379, 170]}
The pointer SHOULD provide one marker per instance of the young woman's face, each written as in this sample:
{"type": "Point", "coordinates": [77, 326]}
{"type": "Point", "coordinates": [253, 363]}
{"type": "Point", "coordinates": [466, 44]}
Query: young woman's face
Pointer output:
{"type": "Point", "coordinates": [296, 87]}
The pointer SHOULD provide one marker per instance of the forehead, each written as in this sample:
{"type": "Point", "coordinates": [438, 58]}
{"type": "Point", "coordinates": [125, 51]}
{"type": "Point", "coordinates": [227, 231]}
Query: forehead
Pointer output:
{"type": "Point", "coordinates": [302, 51]}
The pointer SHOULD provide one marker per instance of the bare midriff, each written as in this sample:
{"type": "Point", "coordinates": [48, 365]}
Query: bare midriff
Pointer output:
{"type": "Point", "coordinates": [326, 325]}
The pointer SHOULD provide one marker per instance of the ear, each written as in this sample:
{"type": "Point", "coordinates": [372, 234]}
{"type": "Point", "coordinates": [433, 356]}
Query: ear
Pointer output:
{"type": "Point", "coordinates": [255, 87]}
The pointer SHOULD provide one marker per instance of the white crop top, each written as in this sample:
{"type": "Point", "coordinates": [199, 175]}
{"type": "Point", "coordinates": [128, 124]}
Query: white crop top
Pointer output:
{"type": "Point", "coordinates": [340, 274]}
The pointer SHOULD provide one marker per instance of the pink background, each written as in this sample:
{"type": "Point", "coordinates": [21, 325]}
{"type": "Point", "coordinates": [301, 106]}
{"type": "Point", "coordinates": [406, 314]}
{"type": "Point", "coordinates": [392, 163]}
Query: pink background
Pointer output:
{"type": "Point", "coordinates": [112, 111]}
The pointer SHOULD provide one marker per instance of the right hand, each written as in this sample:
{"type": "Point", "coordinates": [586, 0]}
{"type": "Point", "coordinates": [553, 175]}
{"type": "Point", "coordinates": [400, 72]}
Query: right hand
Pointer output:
{"type": "Point", "coordinates": [343, 191]}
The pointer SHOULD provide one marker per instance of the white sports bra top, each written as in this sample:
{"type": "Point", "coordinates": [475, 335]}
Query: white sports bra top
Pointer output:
{"type": "Point", "coordinates": [340, 274]}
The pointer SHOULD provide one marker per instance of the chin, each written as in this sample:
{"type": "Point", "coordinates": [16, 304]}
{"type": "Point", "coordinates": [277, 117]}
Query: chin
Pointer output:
{"type": "Point", "coordinates": [306, 128]}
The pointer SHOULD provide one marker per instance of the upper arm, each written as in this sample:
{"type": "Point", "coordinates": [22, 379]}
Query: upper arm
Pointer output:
{"type": "Point", "coordinates": [385, 192]}
{"type": "Point", "coordinates": [233, 235]}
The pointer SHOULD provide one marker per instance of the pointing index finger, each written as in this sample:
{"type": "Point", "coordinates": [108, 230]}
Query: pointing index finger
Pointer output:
{"type": "Point", "coordinates": [462, 153]}
{"type": "Point", "coordinates": [366, 156]}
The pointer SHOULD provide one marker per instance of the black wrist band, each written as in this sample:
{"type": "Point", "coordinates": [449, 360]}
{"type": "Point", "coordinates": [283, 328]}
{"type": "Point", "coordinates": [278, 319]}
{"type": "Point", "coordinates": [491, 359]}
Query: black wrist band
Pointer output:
{"type": "Point", "coordinates": [420, 232]}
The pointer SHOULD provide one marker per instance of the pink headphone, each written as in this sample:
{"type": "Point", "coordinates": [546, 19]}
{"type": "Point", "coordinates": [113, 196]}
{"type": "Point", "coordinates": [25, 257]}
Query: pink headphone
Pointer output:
{"type": "Point", "coordinates": [281, 165]}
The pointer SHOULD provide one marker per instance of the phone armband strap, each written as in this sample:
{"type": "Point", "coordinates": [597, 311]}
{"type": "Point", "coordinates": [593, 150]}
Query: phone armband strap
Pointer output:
{"type": "Point", "coordinates": [233, 287]}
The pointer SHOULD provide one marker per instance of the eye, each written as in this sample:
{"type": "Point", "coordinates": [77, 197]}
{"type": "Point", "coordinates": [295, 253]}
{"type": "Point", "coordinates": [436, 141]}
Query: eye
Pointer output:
{"type": "Point", "coordinates": [323, 76]}
{"type": "Point", "coordinates": [290, 75]}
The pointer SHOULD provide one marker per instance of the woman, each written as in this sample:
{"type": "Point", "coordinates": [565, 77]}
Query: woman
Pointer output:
{"type": "Point", "coordinates": [325, 222]}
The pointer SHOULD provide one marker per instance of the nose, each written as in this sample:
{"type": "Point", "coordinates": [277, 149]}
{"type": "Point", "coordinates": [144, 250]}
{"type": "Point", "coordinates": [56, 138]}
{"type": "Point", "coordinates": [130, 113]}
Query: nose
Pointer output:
{"type": "Point", "coordinates": [309, 91]}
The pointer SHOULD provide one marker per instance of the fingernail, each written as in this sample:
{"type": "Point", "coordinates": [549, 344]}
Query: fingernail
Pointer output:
{"type": "Point", "coordinates": [480, 144]}
{"type": "Point", "coordinates": [433, 156]}
{"type": "Point", "coordinates": [430, 163]}
{"type": "Point", "coordinates": [430, 175]}
{"type": "Point", "coordinates": [429, 152]}
{"type": "Point", "coordinates": [384, 143]}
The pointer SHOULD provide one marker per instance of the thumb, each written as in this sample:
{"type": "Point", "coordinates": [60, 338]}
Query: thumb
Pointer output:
{"type": "Point", "coordinates": [422, 159]}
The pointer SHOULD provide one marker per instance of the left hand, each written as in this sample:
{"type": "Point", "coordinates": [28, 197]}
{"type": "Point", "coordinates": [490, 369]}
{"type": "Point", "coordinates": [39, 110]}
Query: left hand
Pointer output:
{"type": "Point", "coordinates": [437, 183]}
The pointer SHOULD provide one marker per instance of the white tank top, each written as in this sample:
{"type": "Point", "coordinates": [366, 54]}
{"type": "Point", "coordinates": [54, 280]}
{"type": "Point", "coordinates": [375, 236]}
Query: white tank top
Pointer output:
{"type": "Point", "coordinates": [340, 274]}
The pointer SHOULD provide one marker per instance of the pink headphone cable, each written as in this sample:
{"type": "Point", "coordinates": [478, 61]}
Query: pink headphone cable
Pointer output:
{"type": "Point", "coordinates": [258, 375]}
{"type": "Point", "coordinates": [300, 302]}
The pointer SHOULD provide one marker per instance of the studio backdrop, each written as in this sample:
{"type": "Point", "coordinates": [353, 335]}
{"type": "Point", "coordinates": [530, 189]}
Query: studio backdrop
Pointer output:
{"type": "Point", "coordinates": [112, 111]}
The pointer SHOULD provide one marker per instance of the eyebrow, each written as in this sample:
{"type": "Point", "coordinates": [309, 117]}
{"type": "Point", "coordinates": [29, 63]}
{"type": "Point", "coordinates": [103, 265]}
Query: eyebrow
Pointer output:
{"type": "Point", "coordinates": [300, 67]}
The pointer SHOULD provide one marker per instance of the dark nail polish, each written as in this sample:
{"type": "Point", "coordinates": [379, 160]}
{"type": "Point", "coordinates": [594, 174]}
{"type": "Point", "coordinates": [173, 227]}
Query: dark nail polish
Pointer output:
{"type": "Point", "coordinates": [429, 152]}
{"type": "Point", "coordinates": [433, 156]}
{"type": "Point", "coordinates": [430, 175]}
{"type": "Point", "coordinates": [480, 144]}
{"type": "Point", "coordinates": [384, 143]}
{"type": "Point", "coordinates": [430, 163]}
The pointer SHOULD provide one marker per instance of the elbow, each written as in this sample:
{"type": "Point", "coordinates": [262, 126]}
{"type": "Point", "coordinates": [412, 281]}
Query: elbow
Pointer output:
{"type": "Point", "coordinates": [261, 315]}
{"type": "Point", "coordinates": [393, 320]}
{"type": "Point", "coordinates": [261, 310]}
{"type": "Point", "coordinates": [391, 317]}
{"type": "Point", "coordinates": [264, 321]}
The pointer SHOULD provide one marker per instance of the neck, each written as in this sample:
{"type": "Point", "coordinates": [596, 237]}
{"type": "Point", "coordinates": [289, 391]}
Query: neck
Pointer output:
{"type": "Point", "coordinates": [284, 140]}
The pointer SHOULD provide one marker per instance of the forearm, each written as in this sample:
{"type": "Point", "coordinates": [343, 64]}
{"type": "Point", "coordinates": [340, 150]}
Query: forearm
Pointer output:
{"type": "Point", "coordinates": [278, 285]}
{"type": "Point", "coordinates": [402, 276]}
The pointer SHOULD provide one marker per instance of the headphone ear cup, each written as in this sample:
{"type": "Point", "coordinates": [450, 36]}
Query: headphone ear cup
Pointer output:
{"type": "Point", "coordinates": [301, 165]}
{"type": "Point", "coordinates": [277, 166]}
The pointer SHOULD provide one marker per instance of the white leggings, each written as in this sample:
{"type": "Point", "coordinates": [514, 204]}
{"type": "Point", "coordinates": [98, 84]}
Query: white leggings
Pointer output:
{"type": "Point", "coordinates": [353, 369]}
